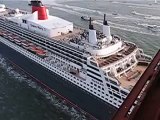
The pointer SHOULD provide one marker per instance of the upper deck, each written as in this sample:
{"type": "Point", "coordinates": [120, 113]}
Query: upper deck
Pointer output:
{"type": "Point", "coordinates": [127, 49]}
{"type": "Point", "coordinates": [130, 78]}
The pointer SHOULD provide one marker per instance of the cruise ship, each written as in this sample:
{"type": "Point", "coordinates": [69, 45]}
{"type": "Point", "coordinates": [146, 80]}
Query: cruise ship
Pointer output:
{"type": "Point", "coordinates": [92, 63]}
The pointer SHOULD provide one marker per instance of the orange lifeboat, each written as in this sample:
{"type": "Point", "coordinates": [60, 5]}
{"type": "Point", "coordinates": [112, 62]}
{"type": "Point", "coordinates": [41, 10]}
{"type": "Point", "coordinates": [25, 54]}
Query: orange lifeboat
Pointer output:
{"type": "Point", "coordinates": [41, 53]}
{"type": "Point", "coordinates": [33, 48]}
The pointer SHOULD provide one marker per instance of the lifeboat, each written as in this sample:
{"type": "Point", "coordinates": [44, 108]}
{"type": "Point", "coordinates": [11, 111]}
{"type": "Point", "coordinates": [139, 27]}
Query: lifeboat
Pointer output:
{"type": "Point", "coordinates": [12, 37]}
{"type": "Point", "coordinates": [25, 44]}
{"type": "Point", "coordinates": [17, 41]}
{"type": "Point", "coordinates": [33, 48]}
{"type": "Point", "coordinates": [41, 52]}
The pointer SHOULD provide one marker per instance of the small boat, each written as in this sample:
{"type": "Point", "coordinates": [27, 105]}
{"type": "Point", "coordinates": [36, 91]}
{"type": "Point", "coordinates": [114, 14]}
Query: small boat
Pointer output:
{"type": "Point", "coordinates": [114, 13]}
{"type": "Point", "coordinates": [86, 18]}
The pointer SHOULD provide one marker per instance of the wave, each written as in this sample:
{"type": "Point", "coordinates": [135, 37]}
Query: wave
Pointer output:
{"type": "Point", "coordinates": [152, 17]}
{"type": "Point", "coordinates": [145, 7]}
{"type": "Point", "coordinates": [58, 103]}
{"type": "Point", "coordinates": [134, 4]}
{"type": "Point", "coordinates": [79, 9]}
{"type": "Point", "coordinates": [114, 25]}
{"type": "Point", "coordinates": [85, 11]}
{"type": "Point", "coordinates": [140, 14]}
{"type": "Point", "coordinates": [146, 16]}
{"type": "Point", "coordinates": [127, 28]}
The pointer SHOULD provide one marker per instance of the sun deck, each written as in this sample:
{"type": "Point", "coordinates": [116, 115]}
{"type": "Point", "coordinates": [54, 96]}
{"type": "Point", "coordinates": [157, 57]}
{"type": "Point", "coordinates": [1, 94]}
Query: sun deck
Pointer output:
{"type": "Point", "coordinates": [128, 49]}
{"type": "Point", "coordinates": [78, 36]}
{"type": "Point", "coordinates": [130, 78]}
{"type": "Point", "coordinates": [71, 35]}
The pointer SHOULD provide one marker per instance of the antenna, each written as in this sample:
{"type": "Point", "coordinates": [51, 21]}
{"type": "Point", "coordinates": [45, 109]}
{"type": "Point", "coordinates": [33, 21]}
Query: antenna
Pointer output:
{"type": "Point", "coordinates": [105, 21]}
{"type": "Point", "coordinates": [90, 24]}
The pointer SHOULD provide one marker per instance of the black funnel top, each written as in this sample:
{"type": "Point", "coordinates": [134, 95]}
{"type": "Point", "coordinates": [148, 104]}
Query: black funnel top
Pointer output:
{"type": "Point", "coordinates": [36, 3]}
{"type": "Point", "coordinates": [105, 21]}
{"type": "Point", "coordinates": [90, 24]}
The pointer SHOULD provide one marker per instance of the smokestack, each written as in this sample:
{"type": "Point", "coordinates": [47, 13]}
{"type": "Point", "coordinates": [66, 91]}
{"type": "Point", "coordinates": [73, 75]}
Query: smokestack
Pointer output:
{"type": "Point", "coordinates": [106, 29]}
{"type": "Point", "coordinates": [92, 33]}
{"type": "Point", "coordinates": [38, 6]}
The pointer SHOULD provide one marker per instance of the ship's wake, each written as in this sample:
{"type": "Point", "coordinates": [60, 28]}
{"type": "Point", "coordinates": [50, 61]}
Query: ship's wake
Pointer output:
{"type": "Point", "coordinates": [129, 25]}
{"type": "Point", "coordinates": [58, 103]}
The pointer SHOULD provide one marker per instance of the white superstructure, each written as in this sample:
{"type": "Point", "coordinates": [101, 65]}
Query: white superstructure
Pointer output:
{"type": "Point", "coordinates": [99, 63]}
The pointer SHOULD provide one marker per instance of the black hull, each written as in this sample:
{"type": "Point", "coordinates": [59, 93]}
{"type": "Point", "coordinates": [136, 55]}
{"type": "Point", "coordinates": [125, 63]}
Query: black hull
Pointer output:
{"type": "Point", "coordinates": [88, 103]}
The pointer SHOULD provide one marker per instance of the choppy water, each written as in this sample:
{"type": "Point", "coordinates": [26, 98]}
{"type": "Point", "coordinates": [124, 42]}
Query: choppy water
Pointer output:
{"type": "Point", "coordinates": [25, 100]}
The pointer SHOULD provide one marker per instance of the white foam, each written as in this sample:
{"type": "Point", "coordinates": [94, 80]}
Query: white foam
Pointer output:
{"type": "Point", "coordinates": [152, 17]}
{"type": "Point", "coordinates": [79, 9]}
{"type": "Point", "coordinates": [127, 28]}
{"type": "Point", "coordinates": [59, 104]}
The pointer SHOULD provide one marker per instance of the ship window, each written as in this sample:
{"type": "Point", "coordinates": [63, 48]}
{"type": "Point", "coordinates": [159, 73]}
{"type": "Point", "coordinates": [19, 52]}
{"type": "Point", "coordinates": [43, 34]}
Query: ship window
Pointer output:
{"type": "Point", "coordinates": [99, 86]}
{"type": "Point", "coordinates": [124, 92]}
{"type": "Point", "coordinates": [94, 78]}
{"type": "Point", "coordinates": [117, 96]}
{"type": "Point", "coordinates": [108, 85]}
{"type": "Point", "coordinates": [93, 67]}
{"type": "Point", "coordinates": [114, 103]}
{"type": "Point", "coordinates": [110, 92]}
{"type": "Point", "coordinates": [114, 88]}
{"type": "Point", "coordinates": [93, 63]}
{"type": "Point", "coordinates": [24, 21]}
{"type": "Point", "coordinates": [93, 72]}
{"type": "Point", "coordinates": [95, 85]}
{"type": "Point", "coordinates": [123, 98]}
{"type": "Point", "coordinates": [113, 82]}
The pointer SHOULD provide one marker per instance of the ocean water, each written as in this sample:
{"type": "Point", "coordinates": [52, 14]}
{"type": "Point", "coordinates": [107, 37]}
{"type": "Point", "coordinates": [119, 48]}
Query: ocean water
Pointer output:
{"type": "Point", "coordinates": [20, 98]}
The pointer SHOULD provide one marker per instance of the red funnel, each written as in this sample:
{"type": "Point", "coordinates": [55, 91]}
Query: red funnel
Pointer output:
{"type": "Point", "coordinates": [42, 14]}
